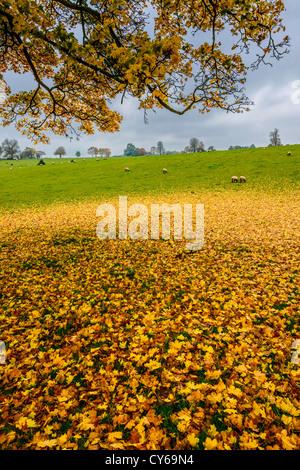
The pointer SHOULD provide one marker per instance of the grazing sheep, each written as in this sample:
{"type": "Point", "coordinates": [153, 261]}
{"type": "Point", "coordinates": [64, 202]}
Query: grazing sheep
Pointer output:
{"type": "Point", "coordinates": [53, 163]}
{"type": "Point", "coordinates": [126, 169]}
{"type": "Point", "coordinates": [165, 170]}
{"type": "Point", "coordinates": [234, 179]}
{"type": "Point", "coordinates": [289, 153]}
{"type": "Point", "coordinates": [242, 179]}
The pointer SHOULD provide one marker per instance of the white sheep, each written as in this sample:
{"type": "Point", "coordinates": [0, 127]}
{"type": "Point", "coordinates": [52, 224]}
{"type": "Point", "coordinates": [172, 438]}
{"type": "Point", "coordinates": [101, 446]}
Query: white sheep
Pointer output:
{"type": "Point", "coordinates": [289, 153]}
{"type": "Point", "coordinates": [165, 170]}
{"type": "Point", "coordinates": [126, 169]}
{"type": "Point", "coordinates": [242, 179]}
{"type": "Point", "coordinates": [234, 179]}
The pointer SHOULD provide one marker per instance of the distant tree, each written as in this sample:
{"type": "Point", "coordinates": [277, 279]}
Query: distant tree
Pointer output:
{"type": "Point", "coordinates": [131, 150]}
{"type": "Point", "coordinates": [0, 149]}
{"type": "Point", "coordinates": [160, 148]}
{"type": "Point", "coordinates": [40, 153]}
{"type": "Point", "coordinates": [10, 148]}
{"type": "Point", "coordinates": [194, 144]}
{"type": "Point", "coordinates": [252, 146]}
{"type": "Point", "coordinates": [230, 148]}
{"type": "Point", "coordinates": [107, 152]}
{"type": "Point", "coordinates": [60, 151]}
{"type": "Point", "coordinates": [275, 138]}
{"type": "Point", "coordinates": [100, 151]}
{"type": "Point", "coordinates": [211, 148]}
{"type": "Point", "coordinates": [153, 150]}
{"type": "Point", "coordinates": [187, 149]}
{"type": "Point", "coordinates": [201, 147]}
{"type": "Point", "coordinates": [78, 154]}
{"type": "Point", "coordinates": [142, 151]}
{"type": "Point", "coordinates": [93, 151]}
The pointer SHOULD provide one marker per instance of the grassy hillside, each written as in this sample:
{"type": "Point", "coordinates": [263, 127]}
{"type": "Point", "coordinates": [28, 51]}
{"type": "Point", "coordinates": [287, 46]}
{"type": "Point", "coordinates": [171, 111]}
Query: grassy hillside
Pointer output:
{"type": "Point", "coordinates": [30, 185]}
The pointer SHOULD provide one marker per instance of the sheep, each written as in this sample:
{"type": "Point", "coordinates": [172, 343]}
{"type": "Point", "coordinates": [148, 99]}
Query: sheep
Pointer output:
{"type": "Point", "coordinates": [126, 169]}
{"type": "Point", "coordinates": [289, 153]}
{"type": "Point", "coordinates": [234, 179]}
{"type": "Point", "coordinates": [165, 170]}
{"type": "Point", "coordinates": [242, 179]}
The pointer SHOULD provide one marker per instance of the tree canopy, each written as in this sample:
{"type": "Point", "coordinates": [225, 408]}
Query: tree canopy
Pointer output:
{"type": "Point", "coordinates": [60, 151]}
{"type": "Point", "coordinates": [84, 53]}
{"type": "Point", "coordinates": [10, 148]}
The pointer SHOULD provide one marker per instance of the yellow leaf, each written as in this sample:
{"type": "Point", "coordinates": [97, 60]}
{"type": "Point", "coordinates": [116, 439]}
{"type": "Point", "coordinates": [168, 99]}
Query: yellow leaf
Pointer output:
{"type": "Point", "coordinates": [210, 444]}
{"type": "Point", "coordinates": [193, 440]}
{"type": "Point", "coordinates": [114, 435]}
{"type": "Point", "coordinates": [31, 423]}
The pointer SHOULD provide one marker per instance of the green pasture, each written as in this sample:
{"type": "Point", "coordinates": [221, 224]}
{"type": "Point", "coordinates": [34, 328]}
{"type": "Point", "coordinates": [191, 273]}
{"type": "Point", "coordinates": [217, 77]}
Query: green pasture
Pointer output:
{"type": "Point", "coordinates": [27, 184]}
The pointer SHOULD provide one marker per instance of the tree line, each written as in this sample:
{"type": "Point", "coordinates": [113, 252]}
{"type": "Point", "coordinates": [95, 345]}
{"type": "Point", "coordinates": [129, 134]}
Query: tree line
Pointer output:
{"type": "Point", "coordinates": [195, 145]}
{"type": "Point", "coordinates": [275, 141]}
{"type": "Point", "coordinates": [10, 149]}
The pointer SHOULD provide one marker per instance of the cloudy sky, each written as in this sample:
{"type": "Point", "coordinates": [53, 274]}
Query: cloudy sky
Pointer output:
{"type": "Point", "coordinates": [276, 104]}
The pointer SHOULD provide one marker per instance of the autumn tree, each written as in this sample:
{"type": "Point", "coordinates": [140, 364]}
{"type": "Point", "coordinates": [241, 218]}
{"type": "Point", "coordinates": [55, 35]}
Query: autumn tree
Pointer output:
{"type": "Point", "coordinates": [275, 138]}
{"type": "Point", "coordinates": [84, 54]}
{"type": "Point", "coordinates": [104, 152]}
{"type": "Point", "coordinates": [28, 153]}
{"type": "Point", "coordinates": [40, 153]}
{"type": "Point", "coordinates": [60, 151]}
{"type": "Point", "coordinates": [10, 148]}
{"type": "Point", "coordinates": [142, 151]}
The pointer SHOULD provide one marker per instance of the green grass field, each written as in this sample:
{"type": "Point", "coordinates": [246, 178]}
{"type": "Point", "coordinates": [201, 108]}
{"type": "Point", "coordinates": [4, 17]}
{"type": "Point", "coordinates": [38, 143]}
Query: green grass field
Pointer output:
{"type": "Point", "coordinates": [267, 169]}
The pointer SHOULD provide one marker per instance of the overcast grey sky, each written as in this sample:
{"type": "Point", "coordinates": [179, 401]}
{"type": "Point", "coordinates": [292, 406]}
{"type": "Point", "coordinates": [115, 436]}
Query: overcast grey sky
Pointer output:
{"type": "Point", "coordinates": [269, 87]}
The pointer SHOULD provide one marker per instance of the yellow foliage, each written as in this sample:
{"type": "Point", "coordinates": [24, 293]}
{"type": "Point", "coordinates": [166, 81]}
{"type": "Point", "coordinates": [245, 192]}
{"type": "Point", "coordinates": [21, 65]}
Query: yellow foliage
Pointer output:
{"type": "Point", "coordinates": [96, 359]}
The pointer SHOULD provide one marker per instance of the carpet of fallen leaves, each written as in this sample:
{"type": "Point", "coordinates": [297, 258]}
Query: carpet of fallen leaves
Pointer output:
{"type": "Point", "coordinates": [123, 344]}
